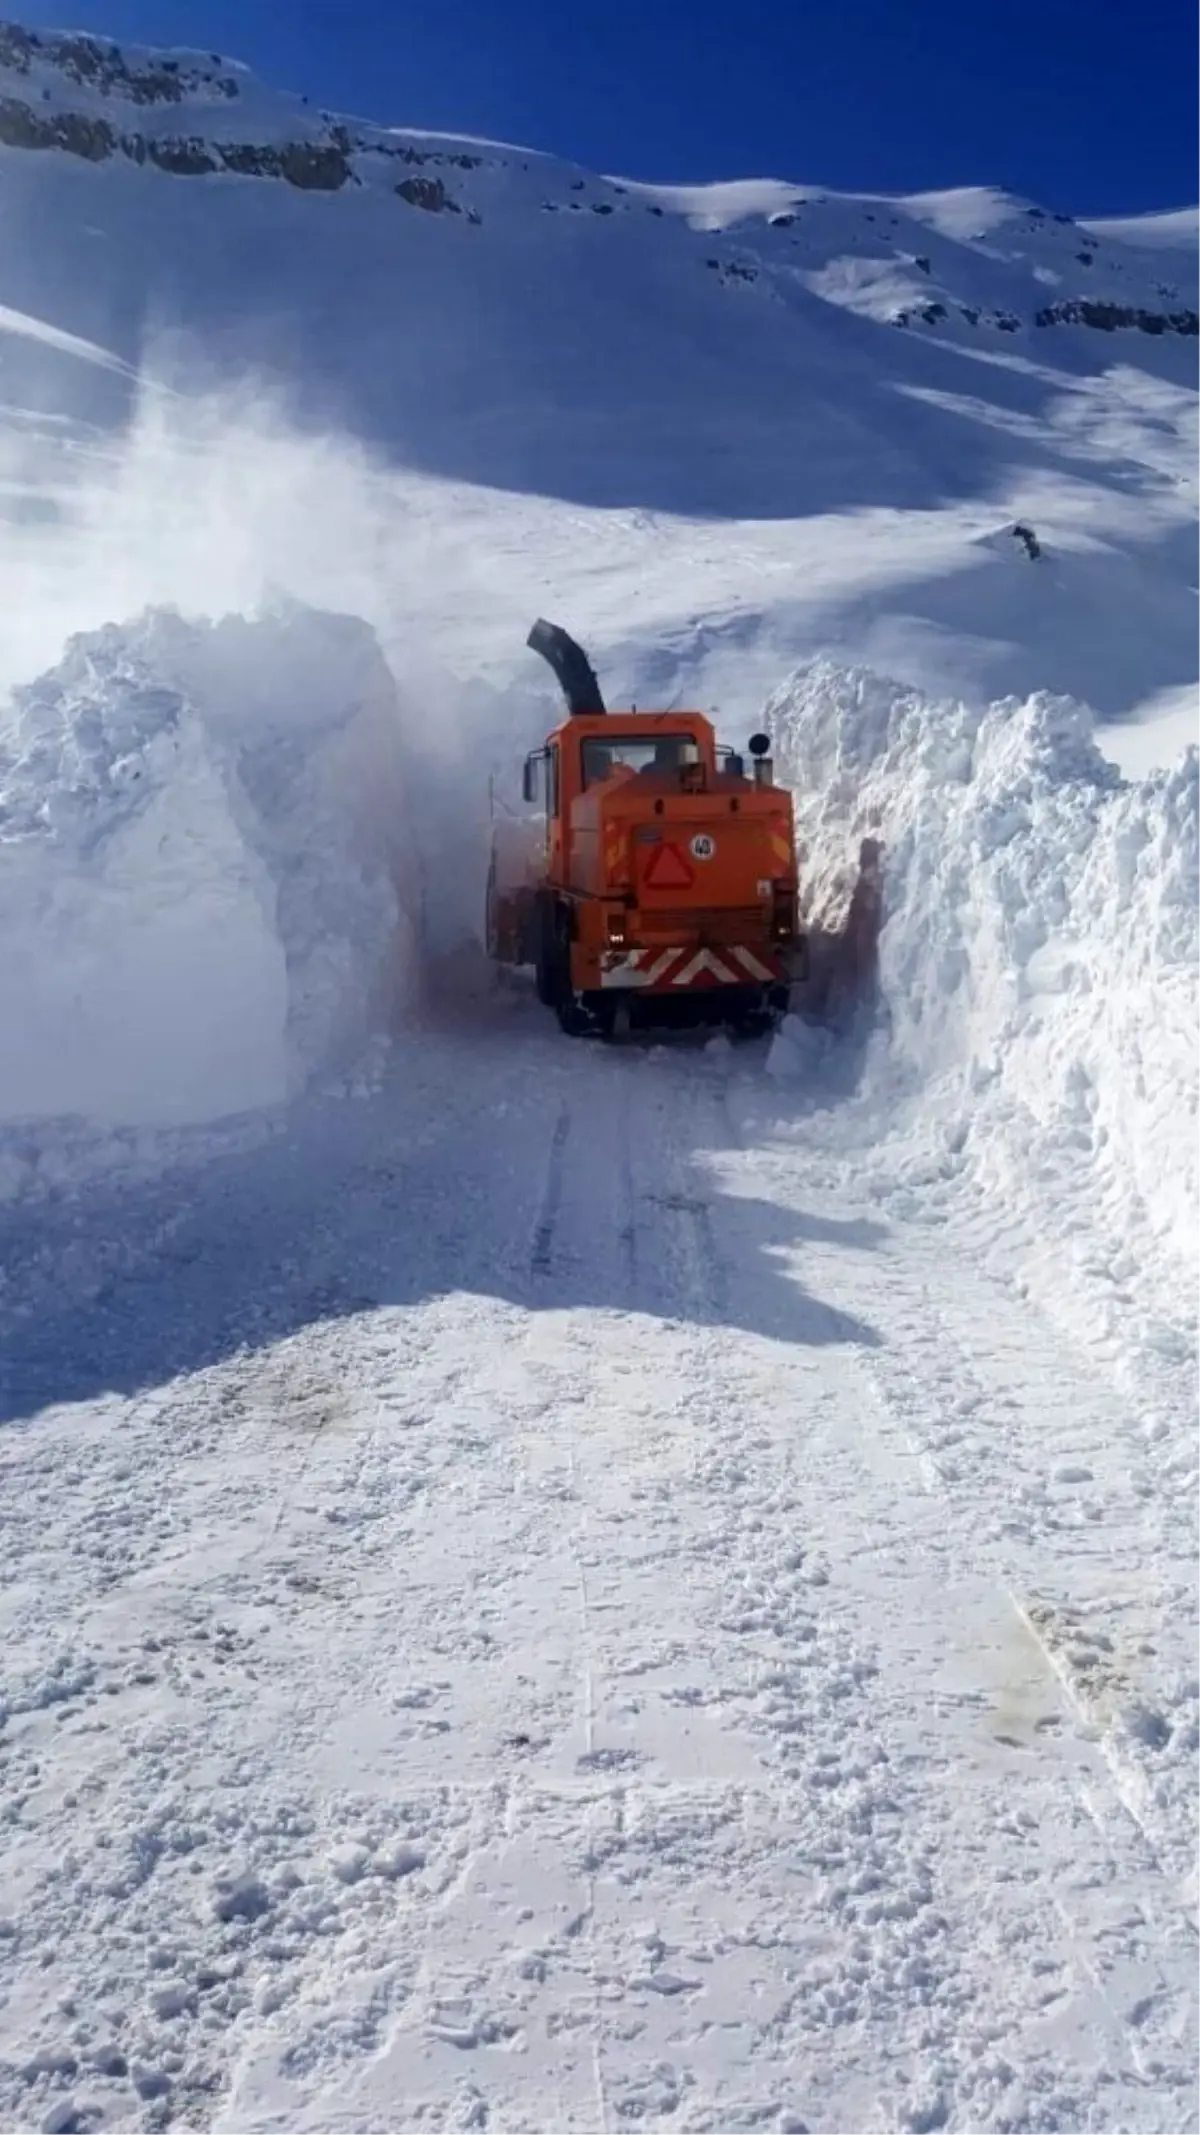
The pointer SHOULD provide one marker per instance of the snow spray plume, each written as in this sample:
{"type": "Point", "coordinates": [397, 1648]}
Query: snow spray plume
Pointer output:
{"type": "Point", "coordinates": [325, 773]}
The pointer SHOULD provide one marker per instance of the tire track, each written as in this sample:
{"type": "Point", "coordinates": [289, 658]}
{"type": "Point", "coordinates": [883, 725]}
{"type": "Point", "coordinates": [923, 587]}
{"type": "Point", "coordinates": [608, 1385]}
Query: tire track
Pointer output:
{"type": "Point", "coordinates": [627, 1232]}
{"type": "Point", "coordinates": [675, 1238]}
{"type": "Point", "coordinates": [920, 1598]}
{"type": "Point", "coordinates": [997, 1547]}
{"type": "Point", "coordinates": [541, 1247]}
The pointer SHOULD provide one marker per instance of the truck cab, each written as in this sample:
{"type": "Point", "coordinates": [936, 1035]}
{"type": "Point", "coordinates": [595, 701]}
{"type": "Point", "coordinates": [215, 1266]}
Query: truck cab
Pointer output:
{"type": "Point", "coordinates": [664, 885]}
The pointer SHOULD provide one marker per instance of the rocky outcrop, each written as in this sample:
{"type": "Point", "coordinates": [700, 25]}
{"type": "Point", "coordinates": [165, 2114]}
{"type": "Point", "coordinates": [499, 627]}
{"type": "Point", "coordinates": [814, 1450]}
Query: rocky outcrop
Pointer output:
{"type": "Point", "coordinates": [431, 195]}
{"type": "Point", "coordinates": [321, 165]}
{"type": "Point", "coordinates": [182, 158]}
{"type": "Point", "coordinates": [427, 193]}
{"type": "Point", "coordinates": [454, 159]}
{"type": "Point", "coordinates": [1084, 311]}
{"type": "Point", "coordinates": [313, 166]}
{"type": "Point", "coordinates": [733, 270]}
{"type": "Point", "coordinates": [95, 64]}
{"type": "Point", "coordinates": [20, 127]}
{"type": "Point", "coordinates": [928, 314]}
{"type": "Point", "coordinates": [1074, 311]}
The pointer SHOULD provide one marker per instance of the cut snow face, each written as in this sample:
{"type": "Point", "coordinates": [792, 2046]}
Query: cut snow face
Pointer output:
{"type": "Point", "coordinates": [1038, 962]}
{"type": "Point", "coordinates": [199, 868]}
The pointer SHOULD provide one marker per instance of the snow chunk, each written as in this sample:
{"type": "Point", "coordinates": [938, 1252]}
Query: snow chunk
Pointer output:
{"type": "Point", "coordinates": [350, 1862]}
{"type": "Point", "coordinates": [199, 837]}
{"type": "Point", "coordinates": [244, 1897]}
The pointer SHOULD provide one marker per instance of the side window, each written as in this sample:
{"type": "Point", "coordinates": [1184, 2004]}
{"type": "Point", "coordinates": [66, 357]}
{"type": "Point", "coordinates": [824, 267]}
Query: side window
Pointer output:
{"type": "Point", "coordinates": [552, 780]}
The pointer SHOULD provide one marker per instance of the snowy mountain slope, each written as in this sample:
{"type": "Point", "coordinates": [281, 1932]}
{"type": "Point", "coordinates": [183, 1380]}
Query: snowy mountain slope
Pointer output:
{"type": "Point", "coordinates": [1175, 231]}
{"type": "Point", "coordinates": [702, 355]}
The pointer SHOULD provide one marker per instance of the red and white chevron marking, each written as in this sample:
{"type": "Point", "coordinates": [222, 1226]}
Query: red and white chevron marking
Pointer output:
{"type": "Point", "coordinates": [671, 968]}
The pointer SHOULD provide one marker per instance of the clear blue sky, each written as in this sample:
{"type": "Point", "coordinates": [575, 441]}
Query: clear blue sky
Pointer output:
{"type": "Point", "coordinates": [1087, 105]}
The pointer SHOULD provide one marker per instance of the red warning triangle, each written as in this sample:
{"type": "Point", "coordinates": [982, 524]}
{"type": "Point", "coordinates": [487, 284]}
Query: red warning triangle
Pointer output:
{"type": "Point", "coordinates": [667, 870]}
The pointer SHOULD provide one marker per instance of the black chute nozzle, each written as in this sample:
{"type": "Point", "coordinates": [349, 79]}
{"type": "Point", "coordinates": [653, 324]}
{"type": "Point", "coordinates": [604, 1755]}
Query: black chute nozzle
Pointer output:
{"type": "Point", "coordinates": [571, 665]}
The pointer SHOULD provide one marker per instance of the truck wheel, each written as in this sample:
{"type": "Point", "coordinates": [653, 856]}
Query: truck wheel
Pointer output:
{"type": "Point", "coordinates": [547, 968]}
{"type": "Point", "coordinates": [554, 970]}
{"type": "Point", "coordinates": [492, 916]}
{"type": "Point", "coordinates": [753, 1023]}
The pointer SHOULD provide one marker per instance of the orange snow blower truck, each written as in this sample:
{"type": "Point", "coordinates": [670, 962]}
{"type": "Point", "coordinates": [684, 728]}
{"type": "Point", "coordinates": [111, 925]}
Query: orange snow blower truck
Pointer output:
{"type": "Point", "coordinates": [656, 884]}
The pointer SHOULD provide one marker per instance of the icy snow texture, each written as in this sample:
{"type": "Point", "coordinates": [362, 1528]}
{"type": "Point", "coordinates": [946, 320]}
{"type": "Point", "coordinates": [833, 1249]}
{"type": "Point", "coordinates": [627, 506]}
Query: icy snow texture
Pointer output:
{"type": "Point", "coordinates": [197, 827]}
{"type": "Point", "coordinates": [1037, 961]}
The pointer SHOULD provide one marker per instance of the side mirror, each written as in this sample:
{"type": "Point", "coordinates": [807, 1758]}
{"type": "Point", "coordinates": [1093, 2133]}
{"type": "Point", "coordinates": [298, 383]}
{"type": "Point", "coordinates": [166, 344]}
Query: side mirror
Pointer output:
{"type": "Point", "coordinates": [529, 781]}
{"type": "Point", "coordinates": [759, 745]}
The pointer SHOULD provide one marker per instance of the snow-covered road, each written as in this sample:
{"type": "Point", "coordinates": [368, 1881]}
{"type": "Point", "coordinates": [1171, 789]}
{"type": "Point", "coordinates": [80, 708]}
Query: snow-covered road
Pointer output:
{"type": "Point", "coordinates": [531, 1604]}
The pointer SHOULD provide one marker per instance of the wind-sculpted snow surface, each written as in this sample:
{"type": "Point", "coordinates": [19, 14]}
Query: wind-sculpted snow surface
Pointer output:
{"type": "Point", "coordinates": [1038, 984]}
{"type": "Point", "coordinates": [198, 828]}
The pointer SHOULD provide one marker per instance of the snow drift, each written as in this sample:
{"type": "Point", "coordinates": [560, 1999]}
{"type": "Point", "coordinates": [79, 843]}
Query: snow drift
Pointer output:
{"type": "Point", "coordinates": [200, 868]}
{"type": "Point", "coordinates": [1038, 960]}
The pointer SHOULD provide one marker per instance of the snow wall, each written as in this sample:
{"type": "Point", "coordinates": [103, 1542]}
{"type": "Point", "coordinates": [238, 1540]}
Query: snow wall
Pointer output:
{"type": "Point", "coordinates": [202, 869]}
{"type": "Point", "coordinates": [1037, 1014]}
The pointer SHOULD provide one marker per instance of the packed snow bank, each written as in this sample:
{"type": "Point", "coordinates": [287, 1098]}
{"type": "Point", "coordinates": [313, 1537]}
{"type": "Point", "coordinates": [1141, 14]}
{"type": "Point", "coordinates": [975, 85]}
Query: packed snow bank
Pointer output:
{"type": "Point", "coordinates": [199, 872]}
{"type": "Point", "coordinates": [1038, 962]}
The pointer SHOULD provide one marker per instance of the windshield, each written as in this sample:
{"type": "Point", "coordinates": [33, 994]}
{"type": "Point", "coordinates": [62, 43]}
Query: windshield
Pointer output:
{"type": "Point", "coordinates": [664, 752]}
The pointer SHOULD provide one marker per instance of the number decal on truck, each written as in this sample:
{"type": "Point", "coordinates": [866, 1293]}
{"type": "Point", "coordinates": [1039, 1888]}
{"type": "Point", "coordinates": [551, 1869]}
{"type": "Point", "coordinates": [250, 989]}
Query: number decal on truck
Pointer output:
{"type": "Point", "coordinates": [703, 847]}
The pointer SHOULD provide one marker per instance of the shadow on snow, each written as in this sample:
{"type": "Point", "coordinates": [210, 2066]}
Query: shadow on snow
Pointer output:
{"type": "Point", "coordinates": [124, 1287]}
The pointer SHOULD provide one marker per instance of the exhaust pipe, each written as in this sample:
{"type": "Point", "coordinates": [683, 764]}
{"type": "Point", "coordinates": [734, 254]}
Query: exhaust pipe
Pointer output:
{"type": "Point", "coordinates": [763, 768]}
{"type": "Point", "coordinates": [572, 668]}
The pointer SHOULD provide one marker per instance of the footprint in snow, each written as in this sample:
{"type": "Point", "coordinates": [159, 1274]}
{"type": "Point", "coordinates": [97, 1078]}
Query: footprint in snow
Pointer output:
{"type": "Point", "coordinates": [608, 1760]}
